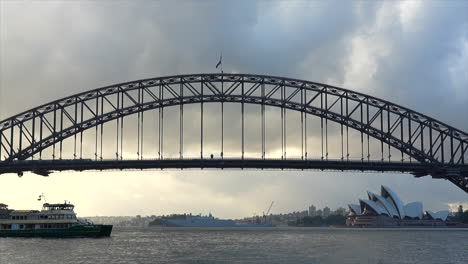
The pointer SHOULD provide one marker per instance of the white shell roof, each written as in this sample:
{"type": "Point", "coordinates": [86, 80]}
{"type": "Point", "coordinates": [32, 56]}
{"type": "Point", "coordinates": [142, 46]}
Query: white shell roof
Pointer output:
{"type": "Point", "coordinates": [389, 203]}
{"type": "Point", "coordinates": [375, 207]}
{"type": "Point", "coordinates": [391, 210]}
{"type": "Point", "coordinates": [389, 193]}
{"type": "Point", "coordinates": [414, 210]}
{"type": "Point", "coordinates": [442, 215]}
{"type": "Point", "coordinates": [355, 208]}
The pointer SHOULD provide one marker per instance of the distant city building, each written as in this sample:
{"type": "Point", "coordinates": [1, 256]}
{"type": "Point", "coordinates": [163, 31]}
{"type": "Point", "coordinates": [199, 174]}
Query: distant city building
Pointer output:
{"type": "Point", "coordinates": [319, 213]}
{"type": "Point", "coordinates": [387, 210]}
{"type": "Point", "coordinates": [326, 212]}
{"type": "Point", "coordinates": [312, 210]}
{"type": "Point", "coordinates": [340, 211]}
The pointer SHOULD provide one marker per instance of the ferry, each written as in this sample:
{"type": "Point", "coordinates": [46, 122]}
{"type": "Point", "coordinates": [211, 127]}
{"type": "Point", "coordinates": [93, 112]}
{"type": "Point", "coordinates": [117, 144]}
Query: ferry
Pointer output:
{"type": "Point", "coordinates": [54, 220]}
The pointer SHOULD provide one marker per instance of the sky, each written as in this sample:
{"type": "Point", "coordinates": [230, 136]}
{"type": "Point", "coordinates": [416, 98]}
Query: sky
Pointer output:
{"type": "Point", "coordinates": [412, 53]}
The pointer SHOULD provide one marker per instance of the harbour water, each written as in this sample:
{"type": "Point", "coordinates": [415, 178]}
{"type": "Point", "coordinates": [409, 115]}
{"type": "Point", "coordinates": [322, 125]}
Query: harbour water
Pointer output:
{"type": "Point", "coordinates": [246, 245]}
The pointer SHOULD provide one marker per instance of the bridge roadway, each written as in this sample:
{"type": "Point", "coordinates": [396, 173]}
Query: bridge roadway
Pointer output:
{"type": "Point", "coordinates": [45, 167]}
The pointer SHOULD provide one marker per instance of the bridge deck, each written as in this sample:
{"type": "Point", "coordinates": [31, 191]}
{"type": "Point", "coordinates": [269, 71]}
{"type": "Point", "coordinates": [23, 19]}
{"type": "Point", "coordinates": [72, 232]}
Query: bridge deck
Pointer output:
{"type": "Point", "coordinates": [418, 169]}
{"type": "Point", "coordinates": [458, 175]}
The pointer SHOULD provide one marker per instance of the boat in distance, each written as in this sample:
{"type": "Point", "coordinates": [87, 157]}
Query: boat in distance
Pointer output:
{"type": "Point", "coordinates": [189, 220]}
{"type": "Point", "coordinates": [54, 220]}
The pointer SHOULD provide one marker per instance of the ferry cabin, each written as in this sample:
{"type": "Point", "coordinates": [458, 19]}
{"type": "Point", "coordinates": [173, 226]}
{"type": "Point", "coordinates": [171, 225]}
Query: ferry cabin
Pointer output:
{"type": "Point", "coordinates": [52, 216]}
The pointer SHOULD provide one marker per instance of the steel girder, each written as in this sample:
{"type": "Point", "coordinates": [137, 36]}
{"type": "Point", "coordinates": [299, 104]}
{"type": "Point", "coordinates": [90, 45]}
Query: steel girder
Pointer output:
{"type": "Point", "coordinates": [415, 135]}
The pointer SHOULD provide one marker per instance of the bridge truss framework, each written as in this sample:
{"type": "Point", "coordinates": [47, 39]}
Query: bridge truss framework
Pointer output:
{"type": "Point", "coordinates": [426, 146]}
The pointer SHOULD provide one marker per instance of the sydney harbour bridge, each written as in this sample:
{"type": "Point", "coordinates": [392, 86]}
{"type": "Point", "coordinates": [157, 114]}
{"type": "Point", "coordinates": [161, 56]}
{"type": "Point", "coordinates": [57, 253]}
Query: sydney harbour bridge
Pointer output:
{"type": "Point", "coordinates": [126, 126]}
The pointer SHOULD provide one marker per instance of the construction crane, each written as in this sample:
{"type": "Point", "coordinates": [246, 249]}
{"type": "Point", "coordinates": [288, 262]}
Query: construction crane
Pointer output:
{"type": "Point", "coordinates": [269, 208]}
{"type": "Point", "coordinates": [265, 215]}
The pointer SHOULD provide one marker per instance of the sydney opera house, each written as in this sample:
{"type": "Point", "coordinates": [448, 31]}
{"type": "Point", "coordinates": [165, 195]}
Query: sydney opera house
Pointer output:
{"type": "Point", "coordinates": [387, 210]}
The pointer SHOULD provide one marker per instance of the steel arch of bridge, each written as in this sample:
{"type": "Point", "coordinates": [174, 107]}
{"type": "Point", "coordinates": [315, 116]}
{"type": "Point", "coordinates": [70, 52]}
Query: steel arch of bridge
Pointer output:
{"type": "Point", "coordinates": [433, 147]}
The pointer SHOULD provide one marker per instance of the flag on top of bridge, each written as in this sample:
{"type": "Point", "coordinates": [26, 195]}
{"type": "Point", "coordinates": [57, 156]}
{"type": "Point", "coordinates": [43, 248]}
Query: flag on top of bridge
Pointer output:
{"type": "Point", "coordinates": [220, 62]}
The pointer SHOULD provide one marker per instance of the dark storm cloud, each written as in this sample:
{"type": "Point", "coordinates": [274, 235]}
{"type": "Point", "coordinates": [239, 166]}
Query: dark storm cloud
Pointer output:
{"type": "Point", "coordinates": [417, 71]}
{"type": "Point", "coordinates": [409, 53]}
